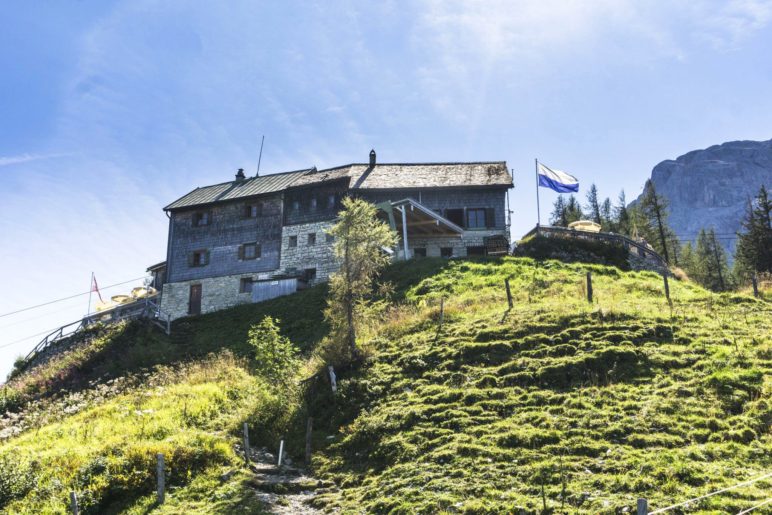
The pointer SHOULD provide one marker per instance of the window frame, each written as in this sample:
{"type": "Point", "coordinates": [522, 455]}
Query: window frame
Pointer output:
{"type": "Point", "coordinates": [310, 239]}
{"type": "Point", "coordinates": [478, 212]}
{"type": "Point", "coordinates": [446, 252]}
{"type": "Point", "coordinates": [292, 241]}
{"type": "Point", "coordinates": [258, 251]}
{"type": "Point", "coordinates": [244, 281]}
{"type": "Point", "coordinates": [256, 207]}
{"type": "Point", "coordinates": [201, 218]}
{"type": "Point", "coordinates": [204, 261]}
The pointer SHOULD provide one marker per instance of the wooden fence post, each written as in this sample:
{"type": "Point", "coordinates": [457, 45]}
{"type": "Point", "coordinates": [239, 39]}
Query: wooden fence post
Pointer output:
{"type": "Point", "coordinates": [281, 451]}
{"type": "Point", "coordinates": [309, 430]}
{"type": "Point", "coordinates": [509, 293]}
{"type": "Point", "coordinates": [160, 478]}
{"type": "Point", "coordinates": [667, 285]}
{"type": "Point", "coordinates": [755, 282]}
{"type": "Point", "coordinates": [74, 503]}
{"type": "Point", "coordinates": [643, 507]}
{"type": "Point", "coordinates": [333, 382]}
{"type": "Point", "coordinates": [246, 443]}
{"type": "Point", "coordinates": [589, 287]}
{"type": "Point", "coordinates": [442, 311]}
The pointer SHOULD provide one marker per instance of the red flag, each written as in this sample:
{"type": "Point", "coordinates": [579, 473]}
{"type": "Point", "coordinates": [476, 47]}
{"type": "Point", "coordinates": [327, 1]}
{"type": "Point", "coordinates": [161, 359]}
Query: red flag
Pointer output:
{"type": "Point", "coordinates": [95, 288]}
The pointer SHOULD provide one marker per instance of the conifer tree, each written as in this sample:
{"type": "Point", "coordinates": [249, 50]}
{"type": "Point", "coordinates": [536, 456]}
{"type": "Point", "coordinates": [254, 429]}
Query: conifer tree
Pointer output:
{"type": "Point", "coordinates": [593, 205]}
{"type": "Point", "coordinates": [621, 215]}
{"type": "Point", "coordinates": [558, 216]}
{"type": "Point", "coordinates": [573, 210]}
{"type": "Point", "coordinates": [709, 263]}
{"type": "Point", "coordinates": [754, 245]}
{"type": "Point", "coordinates": [360, 238]}
{"type": "Point", "coordinates": [653, 207]}
{"type": "Point", "coordinates": [607, 222]}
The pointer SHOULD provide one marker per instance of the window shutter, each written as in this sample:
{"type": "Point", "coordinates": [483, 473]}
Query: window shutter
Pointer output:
{"type": "Point", "coordinates": [190, 258]}
{"type": "Point", "coordinates": [490, 217]}
{"type": "Point", "coordinates": [241, 252]}
{"type": "Point", "coordinates": [258, 250]}
{"type": "Point", "coordinates": [206, 257]}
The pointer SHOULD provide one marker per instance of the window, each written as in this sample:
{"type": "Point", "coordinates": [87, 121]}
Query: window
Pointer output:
{"type": "Point", "coordinates": [201, 218]}
{"type": "Point", "coordinates": [446, 252]}
{"type": "Point", "coordinates": [475, 218]}
{"type": "Point", "coordinates": [295, 206]}
{"type": "Point", "coordinates": [456, 216]}
{"type": "Point", "coordinates": [292, 241]}
{"type": "Point", "coordinates": [331, 201]}
{"type": "Point", "coordinates": [475, 251]}
{"type": "Point", "coordinates": [250, 251]}
{"type": "Point", "coordinates": [309, 274]}
{"type": "Point", "coordinates": [329, 238]}
{"type": "Point", "coordinates": [312, 204]}
{"type": "Point", "coordinates": [419, 252]}
{"type": "Point", "coordinates": [199, 258]}
{"type": "Point", "coordinates": [311, 240]}
{"type": "Point", "coordinates": [245, 285]}
{"type": "Point", "coordinates": [253, 210]}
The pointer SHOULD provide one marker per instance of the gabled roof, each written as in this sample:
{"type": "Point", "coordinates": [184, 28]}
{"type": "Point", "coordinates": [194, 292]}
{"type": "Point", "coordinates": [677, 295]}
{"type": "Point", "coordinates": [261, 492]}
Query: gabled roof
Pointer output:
{"type": "Point", "coordinates": [414, 175]}
{"type": "Point", "coordinates": [238, 189]}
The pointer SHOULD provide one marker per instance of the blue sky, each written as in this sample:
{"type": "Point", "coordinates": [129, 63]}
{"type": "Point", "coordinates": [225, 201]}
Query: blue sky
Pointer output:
{"type": "Point", "coordinates": [111, 109]}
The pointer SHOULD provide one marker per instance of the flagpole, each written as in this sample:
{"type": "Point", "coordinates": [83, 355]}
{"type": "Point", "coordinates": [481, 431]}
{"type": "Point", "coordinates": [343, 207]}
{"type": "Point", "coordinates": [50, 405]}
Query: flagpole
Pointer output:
{"type": "Point", "coordinates": [90, 291]}
{"type": "Point", "coordinates": [538, 210]}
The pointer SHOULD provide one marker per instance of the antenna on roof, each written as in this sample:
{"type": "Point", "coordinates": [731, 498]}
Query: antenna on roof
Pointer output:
{"type": "Point", "coordinates": [261, 156]}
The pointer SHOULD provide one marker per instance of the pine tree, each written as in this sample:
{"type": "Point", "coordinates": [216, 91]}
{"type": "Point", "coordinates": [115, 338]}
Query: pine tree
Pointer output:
{"type": "Point", "coordinates": [621, 216]}
{"type": "Point", "coordinates": [573, 210]}
{"type": "Point", "coordinates": [754, 245]}
{"type": "Point", "coordinates": [606, 216]}
{"type": "Point", "coordinates": [593, 206]}
{"type": "Point", "coordinates": [653, 207]}
{"type": "Point", "coordinates": [709, 266]}
{"type": "Point", "coordinates": [558, 216]}
{"type": "Point", "coordinates": [360, 238]}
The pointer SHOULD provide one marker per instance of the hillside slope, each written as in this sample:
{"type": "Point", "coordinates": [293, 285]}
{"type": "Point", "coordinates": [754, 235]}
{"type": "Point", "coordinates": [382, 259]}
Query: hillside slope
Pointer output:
{"type": "Point", "coordinates": [582, 407]}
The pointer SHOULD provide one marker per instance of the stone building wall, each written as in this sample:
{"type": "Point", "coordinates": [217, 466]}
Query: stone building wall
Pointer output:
{"type": "Point", "coordinates": [434, 245]}
{"type": "Point", "coordinates": [216, 293]}
{"type": "Point", "coordinates": [319, 256]}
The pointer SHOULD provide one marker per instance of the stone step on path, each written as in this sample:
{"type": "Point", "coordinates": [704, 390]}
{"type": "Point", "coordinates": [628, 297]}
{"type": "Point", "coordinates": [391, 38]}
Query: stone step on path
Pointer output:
{"type": "Point", "coordinates": [284, 490]}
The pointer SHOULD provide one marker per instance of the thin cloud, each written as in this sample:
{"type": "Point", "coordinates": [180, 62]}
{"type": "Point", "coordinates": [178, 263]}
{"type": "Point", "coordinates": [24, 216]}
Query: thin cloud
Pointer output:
{"type": "Point", "coordinates": [26, 158]}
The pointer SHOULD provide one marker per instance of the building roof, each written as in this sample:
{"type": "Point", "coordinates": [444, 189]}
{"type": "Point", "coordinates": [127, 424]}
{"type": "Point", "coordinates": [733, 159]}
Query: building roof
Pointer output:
{"type": "Point", "coordinates": [238, 189]}
{"type": "Point", "coordinates": [414, 175]}
{"type": "Point", "coordinates": [360, 176]}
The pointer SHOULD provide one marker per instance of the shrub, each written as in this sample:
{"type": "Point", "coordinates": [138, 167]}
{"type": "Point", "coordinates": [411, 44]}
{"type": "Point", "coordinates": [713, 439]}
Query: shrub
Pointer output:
{"type": "Point", "coordinates": [274, 353]}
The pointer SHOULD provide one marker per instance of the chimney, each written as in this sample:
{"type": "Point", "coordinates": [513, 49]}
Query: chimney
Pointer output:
{"type": "Point", "coordinates": [240, 175]}
{"type": "Point", "coordinates": [372, 158]}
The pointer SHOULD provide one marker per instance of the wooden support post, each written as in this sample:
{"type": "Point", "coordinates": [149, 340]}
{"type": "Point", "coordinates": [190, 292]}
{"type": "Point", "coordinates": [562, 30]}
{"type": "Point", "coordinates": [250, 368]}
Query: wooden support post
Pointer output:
{"type": "Point", "coordinates": [667, 286]}
{"type": "Point", "coordinates": [643, 507]}
{"type": "Point", "coordinates": [442, 311]}
{"type": "Point", "coordinates": [281, 451]}
{"type": "Point", "coordinates": [160, 478]}
{"type": "Point", "coordinates": [509, 293]}
{"type": "Point", "coordinates": [333, 381]}
{"type": "Point", "coordinates": [755, 282]}
{"type": "Point", "coordinates": [309, 433]}
{"type": "Point", "coordinates": [589, 287]}
{"type": "Point", "coordinates": [74, 503]}
{"type": "Point", "coordinates": [246, 443]}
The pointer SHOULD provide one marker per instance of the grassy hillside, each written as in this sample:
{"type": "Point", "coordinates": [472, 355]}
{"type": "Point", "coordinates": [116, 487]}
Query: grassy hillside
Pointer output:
{"type": "Point", "coordinates": [584, 407]}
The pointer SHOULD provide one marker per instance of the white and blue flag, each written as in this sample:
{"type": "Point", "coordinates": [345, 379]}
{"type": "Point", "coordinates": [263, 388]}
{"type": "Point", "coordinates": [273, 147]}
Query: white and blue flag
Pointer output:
{"type": "Point", "coordinates": [557, 180]}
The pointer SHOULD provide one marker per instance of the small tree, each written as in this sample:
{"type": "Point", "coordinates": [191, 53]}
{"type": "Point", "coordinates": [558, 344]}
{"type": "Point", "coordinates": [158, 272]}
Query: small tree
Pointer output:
{"type": "Point", "coordinates": [274, 353]}
{"type": "Point", "coordinates": [558, 216]}
{"type": "Point", "coordinates": [708, 264]}
{"type": "Point", "coordinates": [361, 240]}
{"type": "Point", "coordinates": [754, 245]}
{"type": "Point", "coordinates": [653, 207]}
{"type": "Point", "coordinates": [621, 215]}
{"type": "Point", "coordinates": [573, 210]}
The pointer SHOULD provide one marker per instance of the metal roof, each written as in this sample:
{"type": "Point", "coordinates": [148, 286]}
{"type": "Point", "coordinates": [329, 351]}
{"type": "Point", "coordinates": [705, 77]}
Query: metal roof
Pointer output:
{"type": "Point", "coordinates": [238, 189]}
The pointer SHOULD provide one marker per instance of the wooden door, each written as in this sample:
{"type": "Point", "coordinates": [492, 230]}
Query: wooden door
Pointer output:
{"type": "Point", "coordinates": [194, 304]}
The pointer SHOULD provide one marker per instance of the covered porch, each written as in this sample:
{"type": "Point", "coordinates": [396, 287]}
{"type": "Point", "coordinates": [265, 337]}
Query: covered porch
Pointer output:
{"type": "Point", "coordinates": [413, 221]}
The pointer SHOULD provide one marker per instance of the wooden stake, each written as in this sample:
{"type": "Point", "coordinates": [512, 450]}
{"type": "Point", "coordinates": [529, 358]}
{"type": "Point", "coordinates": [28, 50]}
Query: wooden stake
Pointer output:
{"type": "Point", "coordinates": [442, 311]}
{"type": "Point", "coordinates": [309, 432]}
{"type": "Point", "coordinates": [281, 451]}
{"type": "Point", "coordinates": [246, 443]}
{"type": "Point", "coordinates": [333, 382]}
{"type": "Point", "coordinates": [643, 507]}
{"type": "Point", "coordinates": [667, 286]}
{"type": "Point", "coordinates": [589, 287]}
{"type": "Point", "coordinates": [509, 293]}
{"type": "Point", "coordinates": [755, 281]}
{"type": "Point", "coordinates": [74, 503]}
{"type": "Point", "coordinates": [160, 478]}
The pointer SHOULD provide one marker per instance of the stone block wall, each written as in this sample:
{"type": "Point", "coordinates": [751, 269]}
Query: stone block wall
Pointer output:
{"type": "Point", "coordinates": [433, 245]}
{"type": "Point", "coordinates": [304, 256]}
{"type": "Point", "coordinates": [216, 293]}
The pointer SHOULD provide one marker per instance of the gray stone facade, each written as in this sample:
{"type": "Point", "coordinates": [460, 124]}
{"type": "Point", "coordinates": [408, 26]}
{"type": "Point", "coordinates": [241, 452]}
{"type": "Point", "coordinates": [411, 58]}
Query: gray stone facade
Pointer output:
{"type": "Point", "coordinates": [216, 293]}
{"type": "Point", "coordinates": [303, 256]}
{"type": "Point", "coordinates": [457, 244]}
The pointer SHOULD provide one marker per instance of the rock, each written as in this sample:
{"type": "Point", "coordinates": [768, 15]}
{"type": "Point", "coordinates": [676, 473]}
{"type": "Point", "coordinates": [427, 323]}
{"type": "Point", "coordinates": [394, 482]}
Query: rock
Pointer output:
{"type": "Point", "coordinates": [711, 187]}
{"type": "Point", "coordinates": [226, 476]}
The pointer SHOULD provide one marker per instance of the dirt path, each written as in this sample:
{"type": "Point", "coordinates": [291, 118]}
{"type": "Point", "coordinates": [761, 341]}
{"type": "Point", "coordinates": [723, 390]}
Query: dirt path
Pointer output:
{"type": "Point", "coordinates": [285, 489]}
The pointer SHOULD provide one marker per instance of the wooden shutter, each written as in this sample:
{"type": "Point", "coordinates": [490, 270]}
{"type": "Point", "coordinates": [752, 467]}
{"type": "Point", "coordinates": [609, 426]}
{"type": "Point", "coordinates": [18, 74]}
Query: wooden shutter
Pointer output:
{"type": "Point", "coordinates": [206, 257]}
{"type": "Point", "coordinates": [258, 250]}
{"type": "Point", "coordinates": [241, 252]}
{"type": "Point", "coordinates": [490, 217]}
{"type": "Point", "coordinates": [190, 258]}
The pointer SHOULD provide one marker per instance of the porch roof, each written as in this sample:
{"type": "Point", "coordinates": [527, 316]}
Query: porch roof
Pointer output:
{"type": "Point", "coordinates": [420, 220]}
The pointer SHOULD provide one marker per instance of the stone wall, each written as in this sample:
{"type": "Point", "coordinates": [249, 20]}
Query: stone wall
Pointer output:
{"type": "Point", "coordinates": [216, 293]}
{"type": "Point", "coordinates": [304, 256]}
{"type": "Point", "coordinates": [433, 245]}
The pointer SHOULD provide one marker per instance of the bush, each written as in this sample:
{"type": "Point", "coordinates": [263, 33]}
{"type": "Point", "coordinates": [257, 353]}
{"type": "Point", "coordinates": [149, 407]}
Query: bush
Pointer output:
{"type": "Point", "coordinates": [274, 353]}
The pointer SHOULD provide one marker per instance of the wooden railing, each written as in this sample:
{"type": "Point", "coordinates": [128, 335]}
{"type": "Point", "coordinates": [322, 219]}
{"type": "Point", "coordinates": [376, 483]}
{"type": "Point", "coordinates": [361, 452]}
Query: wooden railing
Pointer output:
{"type": "Point", "coordinates": [147, 307]}
{"type": "Point", "coordinates": [640, 249]}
